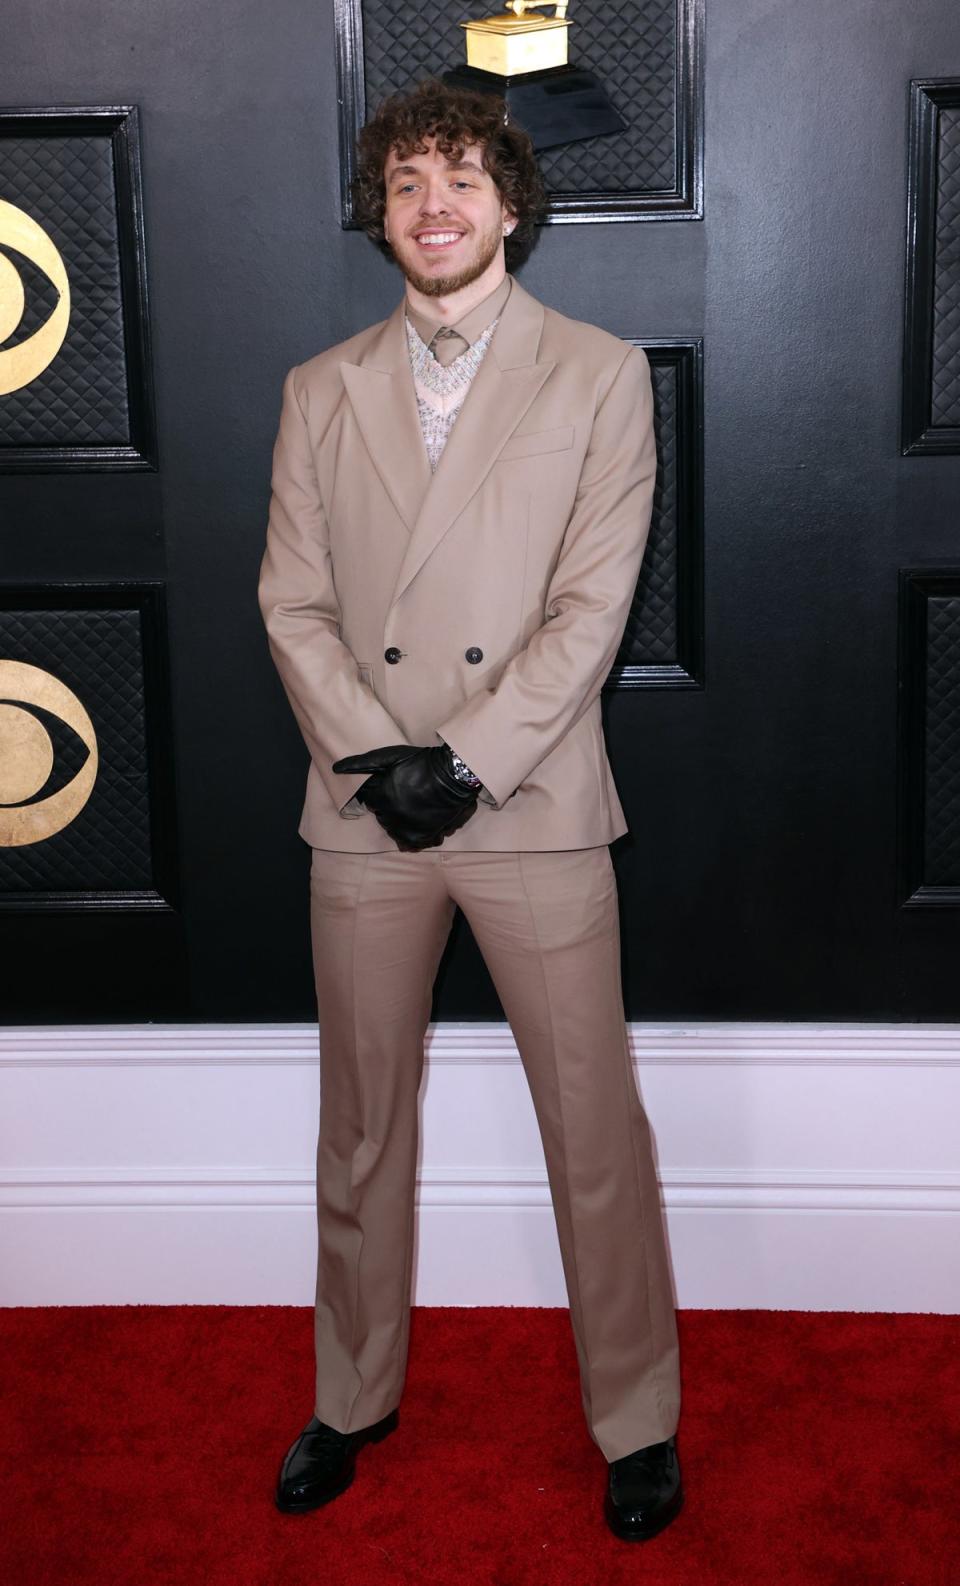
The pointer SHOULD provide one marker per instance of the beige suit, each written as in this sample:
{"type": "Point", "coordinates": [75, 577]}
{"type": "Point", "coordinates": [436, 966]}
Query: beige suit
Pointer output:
{"type": "Point", "coordinates": [482, 606]}
{"type": "Point", "coordinates": [525, 545]}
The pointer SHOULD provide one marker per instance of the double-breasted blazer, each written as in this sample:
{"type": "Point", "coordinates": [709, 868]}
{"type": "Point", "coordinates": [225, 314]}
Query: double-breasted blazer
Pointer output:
{"type": "Point", "coordinates": [482, 605]}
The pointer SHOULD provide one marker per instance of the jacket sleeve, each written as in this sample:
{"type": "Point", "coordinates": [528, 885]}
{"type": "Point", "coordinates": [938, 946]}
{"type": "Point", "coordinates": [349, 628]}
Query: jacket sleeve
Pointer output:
{"type": "Point", "coordinates": [504, 732]}
{"type": "Point", "coordinates": [337, 714]}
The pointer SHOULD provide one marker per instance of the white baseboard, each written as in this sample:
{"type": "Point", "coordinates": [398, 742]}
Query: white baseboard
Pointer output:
{"type": "Point", "coordinates": [96, 1045]}
{"type": "Point", "coordinates": [811, 1167]}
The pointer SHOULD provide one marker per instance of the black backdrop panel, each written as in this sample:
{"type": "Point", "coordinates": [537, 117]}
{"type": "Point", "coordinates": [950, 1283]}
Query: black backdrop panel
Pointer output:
{"type": "Point", "coordinates": [759, 878]}
{"type": "Point", "coordinates": [100, 642]}
{"type": "Point", "coordinates": [645, 53]}
{"type": "Point", "coordinates": [77, 175]}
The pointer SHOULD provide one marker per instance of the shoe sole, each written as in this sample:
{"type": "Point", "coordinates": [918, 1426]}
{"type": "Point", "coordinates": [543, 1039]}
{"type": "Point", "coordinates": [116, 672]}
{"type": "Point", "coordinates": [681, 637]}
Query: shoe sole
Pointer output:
{"type": "Point", "coordinates": [373, 1434]}
{"type": "Point", "coordinates": [643, 1534]}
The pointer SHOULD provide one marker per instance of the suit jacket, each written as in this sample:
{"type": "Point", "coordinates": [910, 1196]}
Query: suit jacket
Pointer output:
{"type": "Point", "coordinates": [482, 605]}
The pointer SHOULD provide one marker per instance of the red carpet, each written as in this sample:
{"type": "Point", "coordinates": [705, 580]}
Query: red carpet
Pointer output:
{"type": "Point", "coordinates": [139, 1447]}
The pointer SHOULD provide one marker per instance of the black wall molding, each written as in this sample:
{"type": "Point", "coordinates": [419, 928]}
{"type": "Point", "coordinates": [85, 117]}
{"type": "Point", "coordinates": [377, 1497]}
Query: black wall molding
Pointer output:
{"type": "Point", "coordinates": [106, 642]}
{"type": "Point", "coordinates": [929, 738]}
{"type": "Point", "coordinates": [648, 53]}
{"type": "Point", "coordinates": [663, 641]}
{"type": "Point", "coordinates": [92, 409]}
{"type": "Point", "coordinates": [931, 342]}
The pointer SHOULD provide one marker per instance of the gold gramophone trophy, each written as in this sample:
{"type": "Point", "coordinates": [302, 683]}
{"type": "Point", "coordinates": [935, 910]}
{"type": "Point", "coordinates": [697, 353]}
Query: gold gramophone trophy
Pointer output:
{"type": "Point", "coordinates": [522, 56]}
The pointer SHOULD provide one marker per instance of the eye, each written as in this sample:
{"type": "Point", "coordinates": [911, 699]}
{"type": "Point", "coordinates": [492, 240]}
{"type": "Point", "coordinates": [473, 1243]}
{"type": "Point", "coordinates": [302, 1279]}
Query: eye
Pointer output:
{"type": "Point", "coordinates": [48, 755]}
{"type": "Point", "coordinates": [27, 354]}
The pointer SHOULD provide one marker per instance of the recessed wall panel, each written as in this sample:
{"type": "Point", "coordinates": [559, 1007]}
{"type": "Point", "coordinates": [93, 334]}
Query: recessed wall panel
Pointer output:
{"type": "Point", "coordinates": [663, 639]}
{"type": "Point", "coordinates": [86, 818]}
{"type": "Point", "coordinates": [75, 388]}
{"type": "Point", "coordinates": [931, 379]}
{"type": "Point", "coordinates": [930, 736]}
{"type": "Point", "coordinates": [645, 53]}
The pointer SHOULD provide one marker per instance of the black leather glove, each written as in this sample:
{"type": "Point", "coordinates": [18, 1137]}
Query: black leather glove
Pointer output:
{"type": "Point", "coordinates": [413, 793]}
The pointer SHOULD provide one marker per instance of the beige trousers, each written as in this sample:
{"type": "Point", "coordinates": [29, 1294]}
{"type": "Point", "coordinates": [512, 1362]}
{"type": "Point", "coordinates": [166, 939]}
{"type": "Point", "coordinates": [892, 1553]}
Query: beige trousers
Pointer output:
{"type": "Point", "coordinates": [548, 928]}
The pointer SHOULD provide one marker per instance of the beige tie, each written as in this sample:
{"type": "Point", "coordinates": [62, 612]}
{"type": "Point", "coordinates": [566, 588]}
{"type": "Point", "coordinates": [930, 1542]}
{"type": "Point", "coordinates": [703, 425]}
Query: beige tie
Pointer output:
{"type": "Point", "coordinates": [447, 344]}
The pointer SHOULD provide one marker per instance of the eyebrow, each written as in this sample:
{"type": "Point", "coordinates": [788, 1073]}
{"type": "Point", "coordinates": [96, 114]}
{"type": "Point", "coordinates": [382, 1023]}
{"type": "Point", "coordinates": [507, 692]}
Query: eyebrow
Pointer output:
{"type": "Point", "coordinates": [452, 165]}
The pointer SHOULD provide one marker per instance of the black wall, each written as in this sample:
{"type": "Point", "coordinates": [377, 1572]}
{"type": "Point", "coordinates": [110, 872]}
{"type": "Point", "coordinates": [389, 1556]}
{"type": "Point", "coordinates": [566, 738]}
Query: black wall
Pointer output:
{"type": "Point", "coordinates": [761, 879]}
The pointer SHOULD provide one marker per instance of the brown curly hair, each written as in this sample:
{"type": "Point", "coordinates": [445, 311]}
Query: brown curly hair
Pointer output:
{"type": "Point", "coordinates": [454, 117]}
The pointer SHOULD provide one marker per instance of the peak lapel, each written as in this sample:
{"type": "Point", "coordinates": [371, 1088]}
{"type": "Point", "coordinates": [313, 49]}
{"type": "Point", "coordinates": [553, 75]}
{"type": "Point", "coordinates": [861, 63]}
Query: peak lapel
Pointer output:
{"type": "Point", "coordinates": [381, 393]}
{"type": "Point", "coordinates": [503, 388]}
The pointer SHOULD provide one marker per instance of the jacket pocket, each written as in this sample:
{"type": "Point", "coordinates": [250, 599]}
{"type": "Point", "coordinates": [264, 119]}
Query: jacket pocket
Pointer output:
{"type": "Point", "coordinates": [536, 441]}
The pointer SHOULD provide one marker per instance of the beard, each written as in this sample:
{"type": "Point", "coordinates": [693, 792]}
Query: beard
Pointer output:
{"type": "Point", "coordinates": [446, 285]}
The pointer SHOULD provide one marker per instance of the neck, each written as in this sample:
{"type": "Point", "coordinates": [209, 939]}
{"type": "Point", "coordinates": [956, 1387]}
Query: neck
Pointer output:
{"type": "Point", "coordinates": [453, 307]}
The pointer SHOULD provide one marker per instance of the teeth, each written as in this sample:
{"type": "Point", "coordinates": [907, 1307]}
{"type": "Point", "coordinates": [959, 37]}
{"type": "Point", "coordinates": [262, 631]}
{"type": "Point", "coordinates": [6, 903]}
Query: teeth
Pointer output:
{"type": "Point", "coordinates": [436, 239]}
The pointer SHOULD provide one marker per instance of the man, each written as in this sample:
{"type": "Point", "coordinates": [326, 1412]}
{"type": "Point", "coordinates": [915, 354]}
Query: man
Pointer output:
{"type": "Point", "coordinates": [461, 499]}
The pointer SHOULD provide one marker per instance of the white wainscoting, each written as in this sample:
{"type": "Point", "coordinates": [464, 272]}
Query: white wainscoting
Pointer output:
{"type": "Point", "coordinates": [803, 1166]}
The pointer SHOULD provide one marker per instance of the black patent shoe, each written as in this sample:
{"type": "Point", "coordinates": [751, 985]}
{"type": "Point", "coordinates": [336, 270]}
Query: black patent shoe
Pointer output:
{"type": "Point", "coordinates": [320, 1464]}
{"type": "Point", "coordinates": [643, 1491]}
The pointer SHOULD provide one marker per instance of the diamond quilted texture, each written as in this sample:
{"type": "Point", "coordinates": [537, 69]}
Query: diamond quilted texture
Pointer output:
{"type": "Point", "coordinates": [942, 743]}
{"type": "Point", "coordinates": [98, 655]}
{"type": "Point", "coordinates": [67, 185]}
{"type": "Point", "coordinates": [631, 46]}
{"type": "Point", "coordinates": [945, 372]}
{"type": "Point", "coordinates": [650, 635]}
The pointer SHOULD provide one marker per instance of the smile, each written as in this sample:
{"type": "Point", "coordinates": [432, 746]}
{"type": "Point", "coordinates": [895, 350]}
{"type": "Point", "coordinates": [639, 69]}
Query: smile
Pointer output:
{"type": "Point", "coordinates": [438, 239]}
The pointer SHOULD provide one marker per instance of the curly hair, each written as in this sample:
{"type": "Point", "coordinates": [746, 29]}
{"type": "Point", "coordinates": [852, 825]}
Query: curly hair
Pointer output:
{"type": "Point", "coordinates": [454, 117]}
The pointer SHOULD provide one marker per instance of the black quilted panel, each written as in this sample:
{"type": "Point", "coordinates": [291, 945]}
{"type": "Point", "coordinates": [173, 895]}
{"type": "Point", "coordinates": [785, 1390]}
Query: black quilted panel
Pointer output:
{"type": "Point", "coordinates": [650, 636]}
{"type": "Point", "coordinates": [631, 45]}
{"type": "Point", "coordinates": [107, 848]}
{"type": "Point", "coordinates": [942, 744]}
{"type": "Point", "coordinates": [945, 373]}
{"type": "Point", "coordinates": [67, 185]}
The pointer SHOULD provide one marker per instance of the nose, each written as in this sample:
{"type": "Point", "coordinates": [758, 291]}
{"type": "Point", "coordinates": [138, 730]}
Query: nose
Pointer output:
{"type": "Point", "coordinates": [434, 198]}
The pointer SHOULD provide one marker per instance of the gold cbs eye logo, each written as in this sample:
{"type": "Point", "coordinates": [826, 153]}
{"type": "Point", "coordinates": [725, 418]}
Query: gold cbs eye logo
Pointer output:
{"type": "Point", "coordinates": [27, 756]}
{"type": "Point", "coordinates": [24, 362]}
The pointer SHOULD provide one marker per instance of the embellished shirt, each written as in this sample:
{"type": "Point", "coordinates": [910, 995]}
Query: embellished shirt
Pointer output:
{"type": "Point", "coordinates": [441, 388]}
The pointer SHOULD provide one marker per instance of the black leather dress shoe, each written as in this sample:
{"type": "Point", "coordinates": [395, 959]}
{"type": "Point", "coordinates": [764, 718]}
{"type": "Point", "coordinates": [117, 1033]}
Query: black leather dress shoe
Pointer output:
{"type": "Point", "coordinates": [320, 1464]}
{"type": "Point", "coordinates": [643, 1491]}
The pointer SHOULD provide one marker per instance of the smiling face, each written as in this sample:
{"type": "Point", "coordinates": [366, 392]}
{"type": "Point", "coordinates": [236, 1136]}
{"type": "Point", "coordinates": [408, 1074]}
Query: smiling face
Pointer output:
{"type": "Point", "coordinates": [445, 221]}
